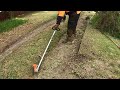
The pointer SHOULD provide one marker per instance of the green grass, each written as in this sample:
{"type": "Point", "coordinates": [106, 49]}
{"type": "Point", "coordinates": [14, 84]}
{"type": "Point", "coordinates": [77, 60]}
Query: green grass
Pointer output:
{"type": "Point", "coordinates": [115, 38]}
{"type": "Point", "coordinates": [106, 47]}
{"type": "Point", "coordinates": [19, 64]}
{"type": "Point", "coordinates": [105, 62]}
{"type": "Point", "coordinates": [94, 20]}
{"type": "Point", "coordinates": [11, 23]}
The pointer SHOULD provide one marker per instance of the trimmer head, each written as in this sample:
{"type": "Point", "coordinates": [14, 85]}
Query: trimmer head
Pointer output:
{"type": "Point", "coordinates": [35, 68]}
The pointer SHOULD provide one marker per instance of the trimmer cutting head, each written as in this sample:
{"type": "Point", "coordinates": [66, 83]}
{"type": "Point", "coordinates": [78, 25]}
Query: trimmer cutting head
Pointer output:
{"type": "Point", "coordinates": [35, 68]}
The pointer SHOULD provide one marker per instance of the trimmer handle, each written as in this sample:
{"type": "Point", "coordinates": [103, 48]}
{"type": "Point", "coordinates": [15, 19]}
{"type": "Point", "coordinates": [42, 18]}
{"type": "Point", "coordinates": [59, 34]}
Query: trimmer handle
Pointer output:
{"type": "Point", "coordinates": [58, 29]}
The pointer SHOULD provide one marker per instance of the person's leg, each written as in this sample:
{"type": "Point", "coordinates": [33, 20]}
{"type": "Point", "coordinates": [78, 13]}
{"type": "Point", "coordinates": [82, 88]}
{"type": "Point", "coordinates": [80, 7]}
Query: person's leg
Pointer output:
{"type": "Point", "coordinates": [70, 28]}
{"type": "Point", "coordinates": [76, 18]}
{"type": "Point", "coordinates": [72, 23]}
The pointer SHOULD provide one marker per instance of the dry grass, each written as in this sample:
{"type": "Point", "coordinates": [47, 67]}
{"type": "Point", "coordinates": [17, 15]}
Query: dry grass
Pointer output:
{"type": "Point", "coordinates": [18, 65]}
{"type": "Point", "coordinates": [34, 20]}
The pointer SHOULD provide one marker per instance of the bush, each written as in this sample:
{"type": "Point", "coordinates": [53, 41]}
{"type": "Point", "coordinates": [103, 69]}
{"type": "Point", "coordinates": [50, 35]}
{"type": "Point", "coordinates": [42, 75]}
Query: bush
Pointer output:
{"type": "Point", "coordinates": [107, 21]}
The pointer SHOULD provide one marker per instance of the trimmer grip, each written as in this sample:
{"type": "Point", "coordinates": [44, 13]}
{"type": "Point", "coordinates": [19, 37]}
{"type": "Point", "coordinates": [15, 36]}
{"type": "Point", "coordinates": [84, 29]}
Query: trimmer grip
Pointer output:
{"type": "Point", "coordinates": [58, 29]}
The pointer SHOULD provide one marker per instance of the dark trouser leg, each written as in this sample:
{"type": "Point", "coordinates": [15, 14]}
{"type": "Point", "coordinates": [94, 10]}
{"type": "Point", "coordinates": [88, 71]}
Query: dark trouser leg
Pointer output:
{"type": "Point", "coordinates": [72, 23]}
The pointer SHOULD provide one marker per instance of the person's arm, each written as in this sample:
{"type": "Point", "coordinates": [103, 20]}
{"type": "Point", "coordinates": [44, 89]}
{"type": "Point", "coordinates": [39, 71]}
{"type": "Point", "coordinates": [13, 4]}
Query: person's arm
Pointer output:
{"type": "Point", "coordinates": [60, 16]}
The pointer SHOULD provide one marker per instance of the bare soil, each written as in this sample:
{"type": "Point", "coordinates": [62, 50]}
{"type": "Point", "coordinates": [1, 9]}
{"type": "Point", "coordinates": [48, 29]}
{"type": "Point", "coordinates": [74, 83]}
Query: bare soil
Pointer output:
{"type": "Point", "coordinates": [58, 64]}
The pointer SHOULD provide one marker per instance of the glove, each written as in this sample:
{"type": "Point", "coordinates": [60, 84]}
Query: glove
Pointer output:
{"type": "Point", "coordinates": [55, 27]}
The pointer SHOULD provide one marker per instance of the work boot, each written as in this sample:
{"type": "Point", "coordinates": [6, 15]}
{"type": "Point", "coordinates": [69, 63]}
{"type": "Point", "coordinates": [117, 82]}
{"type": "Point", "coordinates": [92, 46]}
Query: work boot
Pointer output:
{"type": "Point", "coordinates": [68, 39]}
{"type": "Point", "coordinates": [69, 36]}
{"type": "Point", "coordinates": [74, 33]}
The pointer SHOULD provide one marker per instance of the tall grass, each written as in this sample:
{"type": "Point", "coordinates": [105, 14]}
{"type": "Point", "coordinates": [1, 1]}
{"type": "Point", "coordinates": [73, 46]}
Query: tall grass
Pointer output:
{"type": "Point", "coordinates": [11, 23]}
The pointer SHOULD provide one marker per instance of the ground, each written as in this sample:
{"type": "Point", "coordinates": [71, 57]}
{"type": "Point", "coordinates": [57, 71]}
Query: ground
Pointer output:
{"type": "Point", "coordinates": [90, 55]}
{"type": "Point", "coordinates": [34, 20]}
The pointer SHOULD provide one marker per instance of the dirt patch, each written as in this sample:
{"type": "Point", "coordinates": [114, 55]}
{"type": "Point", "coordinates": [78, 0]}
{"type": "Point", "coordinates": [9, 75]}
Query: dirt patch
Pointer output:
{"type": "Point", "coordinates": [58, 63]}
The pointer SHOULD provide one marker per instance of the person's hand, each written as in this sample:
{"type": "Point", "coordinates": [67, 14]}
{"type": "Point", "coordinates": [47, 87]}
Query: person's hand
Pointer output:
{"type": "Point", "coordinates": [55, 27]}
